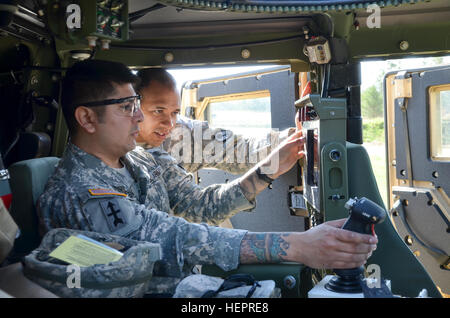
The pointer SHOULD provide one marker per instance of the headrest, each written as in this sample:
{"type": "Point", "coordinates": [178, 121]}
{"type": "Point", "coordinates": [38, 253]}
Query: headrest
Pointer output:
{"type": "Point", "coordinates": [33, 145]}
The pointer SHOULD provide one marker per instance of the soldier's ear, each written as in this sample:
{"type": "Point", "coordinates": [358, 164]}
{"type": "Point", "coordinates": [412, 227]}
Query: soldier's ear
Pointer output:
{"type": "Point", "coordinates": [86, 118]}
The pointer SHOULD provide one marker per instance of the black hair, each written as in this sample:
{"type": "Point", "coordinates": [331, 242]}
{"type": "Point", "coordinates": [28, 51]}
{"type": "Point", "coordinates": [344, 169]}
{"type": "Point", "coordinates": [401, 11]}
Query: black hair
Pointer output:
{"type": "Point", "coordinates": [88, 81]}
{"type": "Point", "coordinates": [160, 75]}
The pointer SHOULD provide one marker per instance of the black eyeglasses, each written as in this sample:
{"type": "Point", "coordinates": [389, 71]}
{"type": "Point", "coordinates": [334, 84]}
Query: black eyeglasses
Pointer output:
{"type": "Point", "coordinates": [129, 109]}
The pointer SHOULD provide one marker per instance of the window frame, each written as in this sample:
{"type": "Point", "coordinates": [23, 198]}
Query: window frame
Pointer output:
{"type": "Point", "coordinates": [435, 122]}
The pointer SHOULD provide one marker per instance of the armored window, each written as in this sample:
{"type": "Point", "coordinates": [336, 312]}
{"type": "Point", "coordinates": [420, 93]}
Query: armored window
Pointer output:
{"type": "Point", "coordinates": [440, 122]}
{"type": "Point", "coordinates": [247, 114]}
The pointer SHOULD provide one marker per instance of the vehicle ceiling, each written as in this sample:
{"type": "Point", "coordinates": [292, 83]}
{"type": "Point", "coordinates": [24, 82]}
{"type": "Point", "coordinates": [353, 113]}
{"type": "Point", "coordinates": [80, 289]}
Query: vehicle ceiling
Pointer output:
{"type": "Point", "coordinates": [213, 32]}
{"type": "Point", "coordinates": [272, 30]}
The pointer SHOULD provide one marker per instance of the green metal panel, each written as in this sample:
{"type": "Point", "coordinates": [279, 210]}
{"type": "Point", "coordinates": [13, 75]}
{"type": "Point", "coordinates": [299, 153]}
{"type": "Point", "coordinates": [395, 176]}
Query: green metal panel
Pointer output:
{"type": "Point", "coordinates": [202, 51]}
{"type": "Point", "coordinates": [276, 272]}
{"type": "Point", "coordinates": [90, 13]}
{"type": "Point", "coordinates": [385, 42]}
{"type": "Point", "coordinates": [333, 175]}
{"type": "Point", "coordinates": [332, 128]}
{"type": "Point", "coordinates": [397, 263]}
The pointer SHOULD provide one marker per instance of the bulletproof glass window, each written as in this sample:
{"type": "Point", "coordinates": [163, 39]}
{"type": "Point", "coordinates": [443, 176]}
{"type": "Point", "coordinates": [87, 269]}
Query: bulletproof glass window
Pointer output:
{"type": "Point", "coordinates": [440, 122]}
{"type": "Point", "coordinates": [248, 114]}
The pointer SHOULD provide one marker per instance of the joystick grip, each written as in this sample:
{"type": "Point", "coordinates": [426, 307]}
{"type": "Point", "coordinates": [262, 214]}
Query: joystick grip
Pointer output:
{"type": "Point", "coordinates": [363, 215]}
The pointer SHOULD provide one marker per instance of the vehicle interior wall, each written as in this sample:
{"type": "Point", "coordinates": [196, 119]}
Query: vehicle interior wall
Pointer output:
{"type": "Point", "coordinates": [168, 35]}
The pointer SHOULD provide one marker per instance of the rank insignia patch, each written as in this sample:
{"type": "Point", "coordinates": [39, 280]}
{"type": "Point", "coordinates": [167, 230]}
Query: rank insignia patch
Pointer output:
{"type": "Point", "coordinates": [105, 192]}
{"type": "Point", "coordinates": [113, 214]}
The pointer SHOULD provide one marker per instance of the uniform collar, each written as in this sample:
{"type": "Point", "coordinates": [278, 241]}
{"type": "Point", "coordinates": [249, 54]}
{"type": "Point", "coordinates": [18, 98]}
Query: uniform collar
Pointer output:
{"type": "Point", "coordinates": [91, 162]}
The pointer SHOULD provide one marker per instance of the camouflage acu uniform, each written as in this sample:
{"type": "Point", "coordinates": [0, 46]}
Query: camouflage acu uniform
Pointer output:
{"type": "Point", "coordinates": [86, 194]}
{"type": "Point", "coordinates": [130, 276]}
{"type": "Point", "coordinates": [233, 153]}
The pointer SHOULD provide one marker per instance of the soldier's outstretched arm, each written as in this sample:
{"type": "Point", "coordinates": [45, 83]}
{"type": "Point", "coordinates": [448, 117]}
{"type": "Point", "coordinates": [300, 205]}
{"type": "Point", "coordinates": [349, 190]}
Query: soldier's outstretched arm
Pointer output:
{"type": "Point", "coordinates": [196, 145]}
{"type": "Point", "coordinates": [280, 161]}
{"type": "Point", "coordinates": [181, 242]}
{"type": "Point", "coordinates": [212, 204]}
{"type": "Point", "coordinates": [324, 246]}
{"type": "Point", "coordinates": [217, 202]}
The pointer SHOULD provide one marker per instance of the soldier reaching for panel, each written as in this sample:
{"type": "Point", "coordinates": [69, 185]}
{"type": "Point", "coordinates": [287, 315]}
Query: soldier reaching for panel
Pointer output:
{"type": "Point", "coordinates": [193, 143]}
{"type": "Point", "coordinates": [165, 131]}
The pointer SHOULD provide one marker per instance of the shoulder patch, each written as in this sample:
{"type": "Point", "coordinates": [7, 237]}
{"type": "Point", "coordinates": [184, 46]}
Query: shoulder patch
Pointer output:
{"type": "Point", "coordinates": [105, 192]}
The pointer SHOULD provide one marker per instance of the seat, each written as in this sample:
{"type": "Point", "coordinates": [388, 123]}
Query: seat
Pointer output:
{"type": "Point", "coordinates": [27, 180]}
{"type": "Point", "coordinates": [29, 145]}
{"type": "Point", "coordinates": [13, 283]}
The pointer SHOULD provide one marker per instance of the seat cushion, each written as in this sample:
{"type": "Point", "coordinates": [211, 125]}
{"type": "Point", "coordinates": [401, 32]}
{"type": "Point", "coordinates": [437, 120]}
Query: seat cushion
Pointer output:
{"type": "Point", "coordinates": [14, 283]}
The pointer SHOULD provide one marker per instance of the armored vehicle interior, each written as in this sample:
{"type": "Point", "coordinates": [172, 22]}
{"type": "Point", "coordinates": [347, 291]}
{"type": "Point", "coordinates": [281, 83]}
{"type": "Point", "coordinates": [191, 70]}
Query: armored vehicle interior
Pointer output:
{"type": "Point", "coordinates": [309, 46]}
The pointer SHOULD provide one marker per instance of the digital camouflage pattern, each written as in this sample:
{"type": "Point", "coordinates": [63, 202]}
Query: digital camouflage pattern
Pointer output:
{"type": "Point", "coordinates": [160, 184]}
{"type": "Point", "coordinates": [130, 276]}
{"type": "Point", "coordinates": [196, 145]}
{"type": "Point", "coordinates": [86, 194]}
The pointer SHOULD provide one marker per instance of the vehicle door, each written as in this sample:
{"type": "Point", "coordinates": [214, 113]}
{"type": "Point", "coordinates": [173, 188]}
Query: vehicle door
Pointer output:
{"type": "Point", "coordinates": [417, 111]}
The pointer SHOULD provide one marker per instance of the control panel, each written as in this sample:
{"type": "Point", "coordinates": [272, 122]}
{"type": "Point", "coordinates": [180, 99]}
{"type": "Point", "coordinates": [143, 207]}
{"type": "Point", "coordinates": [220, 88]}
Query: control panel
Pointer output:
{"type": "Point", "coordinates": [106, 20]}
{"type": "Point", "coordinates": [111, 18]}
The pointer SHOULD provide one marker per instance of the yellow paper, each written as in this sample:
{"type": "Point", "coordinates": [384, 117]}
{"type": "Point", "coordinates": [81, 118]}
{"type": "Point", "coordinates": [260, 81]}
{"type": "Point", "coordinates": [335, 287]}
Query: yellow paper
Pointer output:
{"type": "Point", "coordinates": [81, 252]}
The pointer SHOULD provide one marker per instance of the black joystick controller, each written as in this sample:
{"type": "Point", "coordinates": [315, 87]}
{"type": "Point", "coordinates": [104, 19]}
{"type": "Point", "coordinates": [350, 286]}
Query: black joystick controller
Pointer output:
{"type": "Point", "coordinates": [364, 214]}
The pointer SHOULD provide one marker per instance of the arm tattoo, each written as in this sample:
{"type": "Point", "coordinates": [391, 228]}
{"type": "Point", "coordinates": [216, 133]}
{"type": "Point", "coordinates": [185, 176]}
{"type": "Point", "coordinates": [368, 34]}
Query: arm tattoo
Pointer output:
{"type": "Point", "coordinates": [264, 248]}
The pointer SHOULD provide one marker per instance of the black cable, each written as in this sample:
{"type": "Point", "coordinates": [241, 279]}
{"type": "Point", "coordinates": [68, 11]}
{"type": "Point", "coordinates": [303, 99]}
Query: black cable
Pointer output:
{"type": "Point", "coordinates": [326, 80]}
{"type": "Point", "coordinates": [135, 47]}
{"type": "Point", "coordinates": [11, 146]}
{"type": "Point", "coordinates": [133, 16]}
{"type": "Point", "coordinates": [322, 76]}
